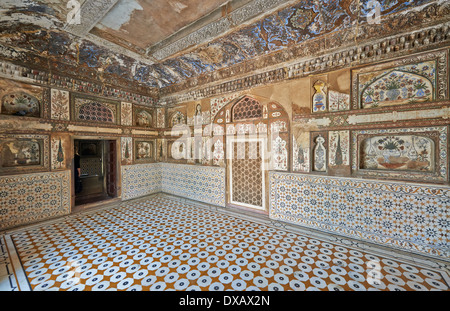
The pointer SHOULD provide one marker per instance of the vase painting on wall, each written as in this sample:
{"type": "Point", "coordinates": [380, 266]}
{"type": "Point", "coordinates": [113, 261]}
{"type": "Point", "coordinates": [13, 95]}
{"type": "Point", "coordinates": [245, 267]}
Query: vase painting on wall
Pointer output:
{"type": "Point", "coordinates": [399, 152]}
{"type": "Point", "coordinates": [397, 85]}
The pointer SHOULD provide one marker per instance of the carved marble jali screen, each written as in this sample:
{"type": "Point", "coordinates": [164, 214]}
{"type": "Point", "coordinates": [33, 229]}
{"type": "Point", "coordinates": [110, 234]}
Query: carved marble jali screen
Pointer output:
{"type": "Point", "coordinates": [246, 174]}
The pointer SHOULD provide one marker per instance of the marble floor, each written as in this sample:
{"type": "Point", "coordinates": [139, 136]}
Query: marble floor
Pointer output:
{"type": "Point", "coordinates": [163, 242]}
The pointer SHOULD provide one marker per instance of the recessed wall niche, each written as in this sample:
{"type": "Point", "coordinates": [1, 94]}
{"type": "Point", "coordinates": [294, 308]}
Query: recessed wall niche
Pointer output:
{"type": "Point", "coordinates": [20, 99]}
{"type": "Point", "coordinates": [417, 154]}
{"type": "Point", "coordinates": [23, 153]}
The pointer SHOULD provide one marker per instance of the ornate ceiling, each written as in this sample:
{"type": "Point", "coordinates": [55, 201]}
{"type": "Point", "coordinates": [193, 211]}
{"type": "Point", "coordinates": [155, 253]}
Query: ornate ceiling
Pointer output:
{"type": "Point", "coordinates": [167, 44]}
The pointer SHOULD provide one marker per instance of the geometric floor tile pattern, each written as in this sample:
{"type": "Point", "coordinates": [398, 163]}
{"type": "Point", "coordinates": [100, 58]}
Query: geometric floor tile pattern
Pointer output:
{"type": "Point", "coordinates": [161, 243]}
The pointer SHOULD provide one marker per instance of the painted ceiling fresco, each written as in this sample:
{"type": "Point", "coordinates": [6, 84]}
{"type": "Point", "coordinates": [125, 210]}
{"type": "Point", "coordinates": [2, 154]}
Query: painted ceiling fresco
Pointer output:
{"type": "Point", "coordinates": [143, 23]}
{"type": "Point", "coordinates": [36, 26]}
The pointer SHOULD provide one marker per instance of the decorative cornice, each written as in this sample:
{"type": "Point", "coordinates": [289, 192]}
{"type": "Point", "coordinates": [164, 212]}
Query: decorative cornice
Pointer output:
{"type": "Point", "coordinates": [91, 12]}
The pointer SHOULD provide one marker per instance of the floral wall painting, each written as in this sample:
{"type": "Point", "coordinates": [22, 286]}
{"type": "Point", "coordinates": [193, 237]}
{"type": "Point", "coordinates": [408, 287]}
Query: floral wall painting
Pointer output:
{"type": "Point", "coordinates": [126, 113]}
{"type": "Point", "coordinates": [319, 100]}
{"type": "Point", "coordinates": [416, 79]}
{"type": "Point", "coordinates": [60, 105]}
{"type": "Point", "coordinates": [144, 150]}
{"type": "Point", "coordinates": [59, 146]}
{"type": "Point", "coordinates": [127, 150]}
{"type": "Point", "coordinates": [143, 117]}
{"type": "Point", "coordinates": [418, 154]}
{"type": "Point", "coordinates": [399, 152]}
{"type": "Point", "coordinates": [279, 154]}
{"type": "Point", "coordinates": [338, 101]}
{"type": "Point", "coordinates": [320, 154]}
{"type": "Point", "coordinates": [23, 153]}
{"type": "Point", "coordinates": [160, 118]}
{"type": "Point", "coordinates": [338, 146]}
{"type": "Point", "coordinates": [20, 99]}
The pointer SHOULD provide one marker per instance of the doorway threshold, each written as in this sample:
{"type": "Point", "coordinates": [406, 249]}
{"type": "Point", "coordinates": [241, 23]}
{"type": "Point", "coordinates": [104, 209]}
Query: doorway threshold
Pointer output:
{"type": "Point", "coordinates": [92, 205]}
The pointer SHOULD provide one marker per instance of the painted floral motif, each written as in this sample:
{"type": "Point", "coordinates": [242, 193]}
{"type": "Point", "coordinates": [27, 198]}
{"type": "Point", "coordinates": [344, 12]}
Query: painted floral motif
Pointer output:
{"type": "Point", "coordinates": [279, 154]}
{"type": "Point", "coordinates": [160, 118]}
{"type": "Point", "coordinates": [339, 142]}
{"type": "Point", "coordinates": [397, 86]}
{"type": "Point", "coordinates": [20, 104]}
{"type": "Point", "coordinates": [127, 150]}
{"type": "Point", "coordinates": [144, 150]}
{"type": "Point", "coordinates": [301, 19]}
{"type": "Point", "coordinates": [300, 157]}
{"type": "Point", "coordinates": [417, 153]}
{"type": "Point", "coordinates": [20, 152]}
{"type": "Point", "coordinates": [126, 113]}
{"type": "Point", "coordinates": [144, 118]}
{"type": "Point", "coordinates": [319, 97]}
{"type": "Point", "coordinates": [406, 152]}
{"type": "Point", "coordinates": [60, 105]}
{"type": "Point", "coordinates": [338, 101]}
{"type": "Point", "coordinates": [320, 155]}
{"type": "Point", "coordinates": [57, 154]}
{"type": "Point", "coordinates": [218, 153]}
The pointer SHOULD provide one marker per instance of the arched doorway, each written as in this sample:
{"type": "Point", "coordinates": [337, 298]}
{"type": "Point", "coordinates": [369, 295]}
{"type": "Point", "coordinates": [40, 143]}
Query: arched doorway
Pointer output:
{"type": "Point", "coordinates": [255, 140]}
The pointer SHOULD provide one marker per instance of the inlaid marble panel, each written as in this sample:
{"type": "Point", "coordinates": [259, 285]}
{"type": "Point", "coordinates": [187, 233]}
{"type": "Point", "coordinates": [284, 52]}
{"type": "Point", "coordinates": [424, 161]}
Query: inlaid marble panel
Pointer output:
{"type": "Point", "coordinates": [141, 179]}
{"type": "Point", "coordinates": [418, 153]}
{"type": "Point", "coordinates": [407, 216]}
{"type": "Point", "coordinates": [33, 197]}
{"type": "Point", "coordinates": [200, 183]}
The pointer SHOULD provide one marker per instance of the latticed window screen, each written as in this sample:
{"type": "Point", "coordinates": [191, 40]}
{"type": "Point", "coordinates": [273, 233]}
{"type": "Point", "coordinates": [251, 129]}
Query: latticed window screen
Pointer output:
{"type": "Point", "coordinates": [247, 108]}
{"type": "Point", "coordinates": [247, 173]}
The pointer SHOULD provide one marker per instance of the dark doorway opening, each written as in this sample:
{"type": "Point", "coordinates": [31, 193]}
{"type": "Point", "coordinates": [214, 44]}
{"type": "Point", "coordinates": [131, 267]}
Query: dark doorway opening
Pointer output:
{"type": "Point", "coordinates": [95, 170]}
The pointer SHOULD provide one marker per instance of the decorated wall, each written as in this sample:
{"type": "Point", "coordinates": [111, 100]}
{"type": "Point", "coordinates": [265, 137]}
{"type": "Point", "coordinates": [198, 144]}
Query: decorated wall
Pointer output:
{"type": "Point", "coordinates": [39, 121]}
{"type": "Point", "coordinates": [322, 99]}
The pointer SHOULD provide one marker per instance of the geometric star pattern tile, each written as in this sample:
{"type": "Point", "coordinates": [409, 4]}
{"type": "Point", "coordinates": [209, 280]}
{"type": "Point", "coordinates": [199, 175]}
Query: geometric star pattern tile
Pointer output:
{"type": "Point", "coordinates": [163, 243]}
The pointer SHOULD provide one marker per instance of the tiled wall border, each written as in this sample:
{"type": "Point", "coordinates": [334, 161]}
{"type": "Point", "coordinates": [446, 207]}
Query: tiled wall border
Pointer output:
{"type": "Point", "coordinates": [400, 203]}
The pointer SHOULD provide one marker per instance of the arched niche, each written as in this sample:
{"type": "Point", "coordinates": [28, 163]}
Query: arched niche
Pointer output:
{"type": "Point", "coordinates": [20, 104]}
{"type": "Point", "coordinates": [250, 137]}
{"type": "Point", "coordinates": [96, 112]}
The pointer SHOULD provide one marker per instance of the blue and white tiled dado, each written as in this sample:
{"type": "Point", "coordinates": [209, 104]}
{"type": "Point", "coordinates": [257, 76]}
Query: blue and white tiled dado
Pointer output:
{"type": "Point", "coordinates": [407, 216]}
{"type": "Point", "coordinates": [140, 180]}
{"type": "Point", "coordinates": [201, 183]}
{"type": "Point", "coordinates": [33, 197]}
